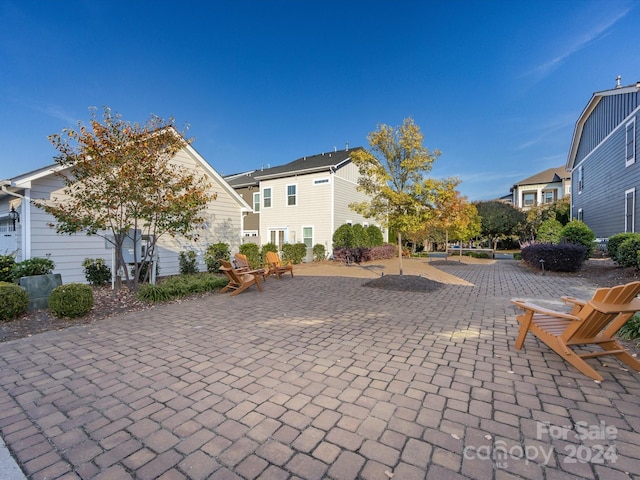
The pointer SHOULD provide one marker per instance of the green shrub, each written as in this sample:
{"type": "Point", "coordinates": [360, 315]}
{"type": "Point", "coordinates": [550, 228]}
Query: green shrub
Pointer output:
{"type": "Point", "coordinates": [343, 237]}
{"type": "Point", "coordinates": [517, 256]}
{"type": "Point", "coordinates": [631, 329]}
{"type": "Point", "coordinates": [296, 252]}
{"type": "Point", "coordinates": [13, 301]}
{"type": "Point", "coordinates": [252, 252]}
{"type": "Point", "coordinates": [375, 236]}
{"type": "Point", "coordinates": [213, 255]}
{"type": "Point", "coordinates": [180, 286]}
{"type": "Point", "coordinates": [269, 247]}
{"type": "Point", "coordinates": [616, 240]}
{"type": "Point", "coordinates": [6, 264]}
{"type": "Point", "coordinates": [549, 231]}
{"type": "Point", "coordinates": [144, 275]}
{"type": "Point", "coordinates": [627, 252]}
{"type": "Point", "coordinates": [71, 300]}
{"type": "Point", "coordinates": [360, 237]}
{"type": "Point", "coordinates": [31, 267]}
{"type": "Point", "coordinates": [563, 257]}
{"type": "Point", "coordinates": [96, 271]}
{"type": "Point", "coordinates": [319, 252]}
{"type": "Point", "coordinates": [577, 232]}
{"type": "Point", "coordinates": [188, 262]}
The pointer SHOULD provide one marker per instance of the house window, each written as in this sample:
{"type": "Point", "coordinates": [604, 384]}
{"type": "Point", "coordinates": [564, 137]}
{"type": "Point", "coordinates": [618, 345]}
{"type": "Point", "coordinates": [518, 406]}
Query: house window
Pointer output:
{"type": "Point", "coordinates": [320, 181]}
{"type": "Point", "coordinates": [291, 195]}
{"type": "Point", "coordinates": [528, 199]}
{"type": "Point", "coordinates": [256, 202]}
{"type": "Point", "coordinates": [580, 215]}
{"type": "Point", "coordinates": [307, 236]}
{"type": "Point", "coordinates": [630, 155]}
{"type": "Point", "coordinates": [266, 198]}
{"type": "Point", "coordinates": [580, 179]}
{"type": "Point", "coordinates": [629, 210]}
{"type": "Point", "coordinates": [549, 196]}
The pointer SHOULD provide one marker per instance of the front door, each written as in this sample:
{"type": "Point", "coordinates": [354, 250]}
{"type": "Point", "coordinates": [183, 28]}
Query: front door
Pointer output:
{"type": "Point", "coordinates": [278, 236]}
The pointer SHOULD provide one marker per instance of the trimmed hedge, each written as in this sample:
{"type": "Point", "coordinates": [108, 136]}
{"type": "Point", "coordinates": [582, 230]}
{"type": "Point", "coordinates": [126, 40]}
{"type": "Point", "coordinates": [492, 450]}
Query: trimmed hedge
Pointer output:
{"type": "Point", "coordinates": [252, 252]}
{"type": "Point", "coordinates": [71, 300]}
{"type": "Point", "coordinates": [358, 255]}
{"type": "Point", "coordinates": [13, 301]}
{"type": "Point", "coordinates": [6, 265]}
{"type": "Point", "coordinates": [563, 257]}
{"type": "Point", "coordinates": [578, 232]}
{"type": "Point", "coordinates": [616, 240]}
{"type": "Point", "coordinates": [296, 252]}
{"type": "Point", "coordinates": [627, 252]}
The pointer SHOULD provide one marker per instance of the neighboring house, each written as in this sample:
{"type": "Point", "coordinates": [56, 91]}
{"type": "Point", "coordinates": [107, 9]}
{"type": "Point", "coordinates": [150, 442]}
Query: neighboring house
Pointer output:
{"type": "Point", "coordinates": [34, 237]}
{"type": "Point", "coordinates": [603, 160]}
{"type": "Point", "coordinates": [303, 201]}
{"type": "Point", "coordinates": [542, 188]}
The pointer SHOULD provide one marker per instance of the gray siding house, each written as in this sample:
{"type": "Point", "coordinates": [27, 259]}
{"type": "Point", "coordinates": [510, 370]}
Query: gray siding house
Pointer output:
{"type": "Point", "coordinates": [604, 164]}
{"type": "Point", "coordinates": [32, 236]}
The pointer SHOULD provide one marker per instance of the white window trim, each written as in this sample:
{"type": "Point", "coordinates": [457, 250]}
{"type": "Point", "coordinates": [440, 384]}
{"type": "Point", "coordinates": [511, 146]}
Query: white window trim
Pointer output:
{"type": "Point", "coordinates": [270, 197]}
{"type": "Point", "coordinates": [312, 234]}
{"type": "Point", "coordinates": [286, 202]}
{"type": "Point", "coordinates": [631, 191]}
{"type": "Point", "coordinates": [580, 179]}
{"type": "Point", "coordinates": [630, 161]}
{"type": "Point", "coordinates": [256, 194]}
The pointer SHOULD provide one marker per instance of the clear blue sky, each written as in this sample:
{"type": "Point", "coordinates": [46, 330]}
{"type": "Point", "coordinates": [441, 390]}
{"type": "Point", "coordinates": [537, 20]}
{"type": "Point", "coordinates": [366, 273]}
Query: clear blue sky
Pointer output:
{"type": "Point", "coordinates": [495, 85]}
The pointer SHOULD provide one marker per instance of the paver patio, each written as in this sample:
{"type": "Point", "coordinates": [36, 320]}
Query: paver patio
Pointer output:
{"type": "Point", "coordinates": [320, 377]}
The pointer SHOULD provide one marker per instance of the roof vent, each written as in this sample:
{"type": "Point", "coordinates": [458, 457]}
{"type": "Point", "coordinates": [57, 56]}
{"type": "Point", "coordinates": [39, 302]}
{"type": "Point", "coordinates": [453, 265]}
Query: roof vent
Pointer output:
{"type": "Point", "coordinates": [618, 81]}
{"type": "Point", "coordinates": [347, 147]}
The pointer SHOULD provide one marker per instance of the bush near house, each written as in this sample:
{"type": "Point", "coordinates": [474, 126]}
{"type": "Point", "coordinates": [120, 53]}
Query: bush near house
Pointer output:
{"type": "Point", "coordinates": [615, 241]}
{"type": "Point", "coordinates": [13, 301]}
{"type": "Point", "coordinates": [187, 261]}
{"type": "Point", "coordinates": [358, 255]}
{"type": "Point", "coordinates": [213, 255]}
{"type": "Point", "coordinates": [549, 231]}
{"type": "Point", "coordinates": [627, 252]}
{"type": "Point", "coordinates": [6, 264]}
{"type": "Point", "coordinates": [562, 257]}
{"type": "Point", "coordinates": [375, 237]}
{"type": "Point", "coordinates": [252, 252]}
{"type": "Point", "coordinates": [296, 252]}
{"type": "Point", "coordinates": [71, 300]}
{"type": "Point", "coordinates": [31, 267]}
{"type": "Point", "coordinates": [631, 329]}
{"type": "Point", "coordinates": [96, 271]}
{"type": "Point", "coordinates": [319, 252]}
{"type": "Point", "coordinates": [577, 232]}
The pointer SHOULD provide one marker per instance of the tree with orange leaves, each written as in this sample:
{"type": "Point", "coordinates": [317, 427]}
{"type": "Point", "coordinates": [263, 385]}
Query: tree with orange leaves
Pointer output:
{"type": "Point", "coordinates": [119, 178]}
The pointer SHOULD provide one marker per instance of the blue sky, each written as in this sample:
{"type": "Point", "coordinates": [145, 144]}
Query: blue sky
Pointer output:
{"type": "Point", "coordinates": [495, 85]}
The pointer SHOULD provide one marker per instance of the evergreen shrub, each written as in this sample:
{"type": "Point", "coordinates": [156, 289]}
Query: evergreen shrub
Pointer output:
{"type": "Point", "coordinates": [13, 301]}
{"type": "Point", "coordinates": [213, 255]}
{"type": "Point", "coordinates": [96, 271]}
{"type": "Point", "coordinates": [71, 300]}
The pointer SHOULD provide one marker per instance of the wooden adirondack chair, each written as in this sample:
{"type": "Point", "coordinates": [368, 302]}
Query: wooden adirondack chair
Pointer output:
{"type": "Point", "coordinates": [242, 264]}
{"type": "Point", "coordinates": [594, 321]}
{"type": "Point", "coordinates": [239, 280]}
{"type": "Point", "coordinates": [276, 266]}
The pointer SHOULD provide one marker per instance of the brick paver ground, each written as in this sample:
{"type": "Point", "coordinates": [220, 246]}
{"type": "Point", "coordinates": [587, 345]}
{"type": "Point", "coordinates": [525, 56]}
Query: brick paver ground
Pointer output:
{"type": "Point", "coordinates": [320, 377]}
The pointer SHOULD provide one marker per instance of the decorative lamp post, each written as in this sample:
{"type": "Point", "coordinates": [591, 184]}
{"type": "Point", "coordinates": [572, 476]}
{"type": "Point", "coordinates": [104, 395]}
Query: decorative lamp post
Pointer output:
{"type": "Point", "coordinates": [14, 216]}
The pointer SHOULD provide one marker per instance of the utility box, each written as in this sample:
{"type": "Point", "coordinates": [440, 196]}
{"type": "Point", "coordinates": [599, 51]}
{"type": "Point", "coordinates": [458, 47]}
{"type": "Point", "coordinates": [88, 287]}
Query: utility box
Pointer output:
{"type": "Point", "coordinates": [132, 245]}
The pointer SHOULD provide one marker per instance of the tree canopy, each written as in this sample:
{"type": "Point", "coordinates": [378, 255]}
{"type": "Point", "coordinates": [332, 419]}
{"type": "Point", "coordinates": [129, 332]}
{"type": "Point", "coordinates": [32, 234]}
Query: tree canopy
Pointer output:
{"type": "Point", "coordinates": [119, 176]}
{"type": "Point", "coordinates": [392, 174]}
{"type": "Point", "coordinates": [499, 220]}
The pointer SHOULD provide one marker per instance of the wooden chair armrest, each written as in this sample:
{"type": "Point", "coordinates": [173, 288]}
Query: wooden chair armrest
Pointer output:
{"type": "Point", "coordinates": [573, 301]}
{"type": "Point", "coordinates": [524, 305]}
{"type": "Point", "coordinates": [632, 306]}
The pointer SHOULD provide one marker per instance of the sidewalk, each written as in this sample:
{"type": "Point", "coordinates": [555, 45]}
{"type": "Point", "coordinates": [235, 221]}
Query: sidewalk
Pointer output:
{"type": "Point", "coordinates": [319, 377]}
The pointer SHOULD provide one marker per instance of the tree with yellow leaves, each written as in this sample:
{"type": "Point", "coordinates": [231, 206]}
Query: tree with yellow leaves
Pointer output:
{"type": "Point", "coordinates": [119, 177]}
{"type": "Point", "coordinates": [392, 174]}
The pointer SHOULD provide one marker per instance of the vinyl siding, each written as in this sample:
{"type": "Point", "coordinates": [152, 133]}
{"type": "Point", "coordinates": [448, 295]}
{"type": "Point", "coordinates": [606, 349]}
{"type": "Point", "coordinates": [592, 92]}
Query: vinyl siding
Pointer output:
{"type": "Point", "coordinates": [606, 178]}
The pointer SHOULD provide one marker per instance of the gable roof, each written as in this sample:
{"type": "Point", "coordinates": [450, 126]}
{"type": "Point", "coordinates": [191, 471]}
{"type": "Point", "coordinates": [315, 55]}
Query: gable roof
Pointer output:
{"type": "Point", "coordinates": [315, 163]}
{"type": "Point", "coordinates": [588, 110]}
{"type": "Point", "coordinates": [551, 175]}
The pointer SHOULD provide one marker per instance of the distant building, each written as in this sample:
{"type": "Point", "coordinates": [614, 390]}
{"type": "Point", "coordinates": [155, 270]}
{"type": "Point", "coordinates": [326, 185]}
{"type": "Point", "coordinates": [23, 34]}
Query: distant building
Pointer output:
{"type": "Point", "coordinates": [605, 173]}
{"type": "Point", "coordinates": [545, 187]}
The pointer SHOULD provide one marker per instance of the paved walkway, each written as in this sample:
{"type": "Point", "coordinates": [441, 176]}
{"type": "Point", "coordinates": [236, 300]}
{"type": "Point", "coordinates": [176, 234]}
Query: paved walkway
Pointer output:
{"type": "Point", "coordinates": [320, 377]}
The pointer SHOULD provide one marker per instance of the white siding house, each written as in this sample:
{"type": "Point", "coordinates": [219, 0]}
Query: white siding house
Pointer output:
{"type": "Point", "coordinates": [306, 200]}
{"type": "Point", "coordinates": [34, 235]}
{"type": "Point", "coordinates": [544, 187]}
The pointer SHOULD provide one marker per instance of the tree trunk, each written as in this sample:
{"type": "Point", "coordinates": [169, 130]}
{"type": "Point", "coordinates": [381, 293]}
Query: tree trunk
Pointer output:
{"type": "Point", "coordinates": [400, 252]}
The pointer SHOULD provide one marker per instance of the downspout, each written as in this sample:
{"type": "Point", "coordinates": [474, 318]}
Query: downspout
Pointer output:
{"type": "Point", "coordinates": [332, 174]}
{"type": "Point", "coordinates": [25, 218]}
